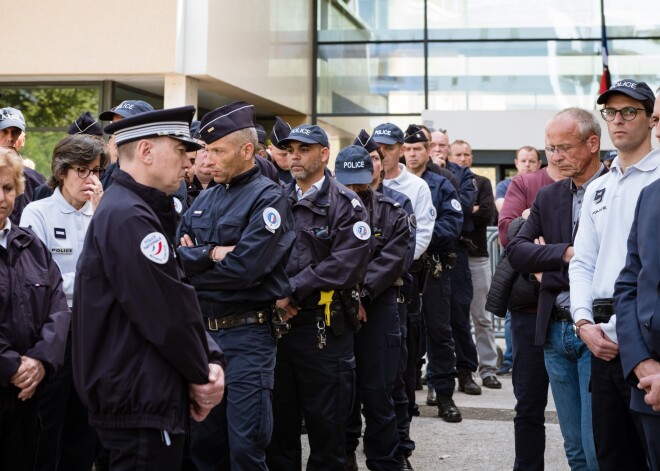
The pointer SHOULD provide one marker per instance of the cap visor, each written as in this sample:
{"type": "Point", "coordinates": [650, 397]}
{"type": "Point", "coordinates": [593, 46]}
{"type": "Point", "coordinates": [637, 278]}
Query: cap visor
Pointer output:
{"type": "Point", "coordinates": [12, 123]}
{"type": "Point", "coordinates": [637, 96]}
{"type": "Point", "coordinates": [191, 144]}
{"type": "Point", "coordinates": [384, 140]}
{"type": "Point", "coordinates": [362, 177]}
{"type": "Point", "coordinates": [284, 142]}
{"type": "Point", "coordinates": [108, 115]}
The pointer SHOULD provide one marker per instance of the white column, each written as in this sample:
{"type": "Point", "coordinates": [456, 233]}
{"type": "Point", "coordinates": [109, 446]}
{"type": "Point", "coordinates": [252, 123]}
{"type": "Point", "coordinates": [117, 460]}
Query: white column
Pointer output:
{"type": "Point", "coordinates": [180, 90]}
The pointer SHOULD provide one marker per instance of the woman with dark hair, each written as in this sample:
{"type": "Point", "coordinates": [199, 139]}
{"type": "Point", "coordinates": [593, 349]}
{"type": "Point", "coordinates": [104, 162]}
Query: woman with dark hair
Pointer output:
{"type": "Point", "coordinates": [33, 322]}
{"type": "Point", "coordinates": [66, 441]}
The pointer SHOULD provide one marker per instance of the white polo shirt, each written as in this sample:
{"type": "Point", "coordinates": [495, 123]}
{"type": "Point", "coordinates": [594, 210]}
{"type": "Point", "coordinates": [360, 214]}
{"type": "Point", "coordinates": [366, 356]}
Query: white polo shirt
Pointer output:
{"type": "Point", "coordinates": [62, 229]}
{"type": "Point", "coordinates": [417, 190]}
{"type": "Point", "coordinates": [601, 242]}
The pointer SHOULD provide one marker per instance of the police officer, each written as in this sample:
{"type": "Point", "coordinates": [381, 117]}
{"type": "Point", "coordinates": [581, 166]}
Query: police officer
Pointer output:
{"type": "Point", "coordinates": [140, 353]}
{"type": "Point", "coordinates": [315, 360]}
{"type": "Point", "coordinates": [436, 297]}
{"type": "Point", "coordinates": [399, 396]}
{"type": "Point", "coordinates": [377, 344]}
{"type": "Point", "coordinates": [235, 242]}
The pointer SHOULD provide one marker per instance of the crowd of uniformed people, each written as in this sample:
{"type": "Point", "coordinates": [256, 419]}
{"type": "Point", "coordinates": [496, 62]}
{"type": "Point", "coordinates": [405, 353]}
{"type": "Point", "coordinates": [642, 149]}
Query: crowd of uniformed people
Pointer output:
{"type": "Point", "coordinates": [188, 295]}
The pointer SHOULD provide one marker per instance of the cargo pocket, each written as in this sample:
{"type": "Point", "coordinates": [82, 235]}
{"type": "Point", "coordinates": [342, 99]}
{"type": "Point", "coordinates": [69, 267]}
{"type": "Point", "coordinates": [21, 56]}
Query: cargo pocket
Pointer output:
{"type": "Point", "coordinates": [266, 409]}
{"type": "Point", "coordinates": [394, 339]}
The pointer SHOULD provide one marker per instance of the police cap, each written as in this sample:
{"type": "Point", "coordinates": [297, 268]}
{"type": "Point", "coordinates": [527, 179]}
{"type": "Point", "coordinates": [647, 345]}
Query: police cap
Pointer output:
{"type": "Point", "coordinates": [261, 134]}
{"type": "Point", "coordinates": [364, 139]}
{"type": "Point", "coordinates": [225, 120]}
{"type": "Point", "coordinates": [308, 134]}
{"type": "Point", "coordinates": [194, 129]}
{"type": "Point", "coordinates": [126, 109]}
{"type": "Point", "coordinates": [85, 124]}
{"type": "Point", "coordinates": [387, 133]}
{"type": "Point", "coordinates": [610, 155]}
{"type": "Point", "coordinates": [637, 90]}
{"type": "Point", "coordinates": [414, 134]}
{"type": "Point", "coordinates": [173, 122]}
{"type": "Point", "coordinates": [11, 118]}
{"type": "Point", "coordinates": [353, 166]}
{"type": "Point", "coordinates": [281, 130]}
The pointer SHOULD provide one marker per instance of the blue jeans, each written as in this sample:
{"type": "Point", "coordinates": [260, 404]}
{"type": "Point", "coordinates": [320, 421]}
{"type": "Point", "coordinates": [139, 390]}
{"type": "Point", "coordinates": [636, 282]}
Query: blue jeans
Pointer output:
{"type": "Point", "coordinates": [568, 363]}
{"type": "Point", "coordinates": [507, 360]}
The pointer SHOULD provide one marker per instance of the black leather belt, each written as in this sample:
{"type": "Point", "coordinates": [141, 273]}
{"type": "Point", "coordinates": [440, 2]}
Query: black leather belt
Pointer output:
{"type": "Point", "coordinates": [561, 314]}
{"type": "Point", "coordinates": [602, 309]}
{"type": "Point", "coordinates": [235, 320]}
{"type": "Point", "coordinates": [308, 316]}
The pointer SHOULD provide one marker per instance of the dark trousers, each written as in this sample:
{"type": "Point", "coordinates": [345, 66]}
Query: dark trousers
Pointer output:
{"type": "Point", "coordinates": [321, 384]}
{"type": "Point", "coordinates": [461, 298]}
{"type": "Point", "coordinates": [413, 338]}
{"type": "Point", "coordinates": [441, 368]}
{"type": "Point", "coordinates": [18, 431]}
{"type": "Point", "coordinates": [651, 424]}
{"type": "Point", "coordinates": [237, 431]}
{"type": "Point", "coordinates": [142, 449]}
{"type": "Point", "coordinates": [617, 429]}
{"type": "Point", "coordinates": [65, 440]}
{"type": "Point", "coordinates": [377, 352]}
{"type": "Point", "coordinates": [530, 386]}
{"type": "Point", "coordinates": [399, 396]}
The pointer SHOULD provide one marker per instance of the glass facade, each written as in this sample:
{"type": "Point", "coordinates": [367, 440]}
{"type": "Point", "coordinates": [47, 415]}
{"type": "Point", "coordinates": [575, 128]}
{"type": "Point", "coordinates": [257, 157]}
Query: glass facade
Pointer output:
{"type": "Point", "coordinates": [400, 57]}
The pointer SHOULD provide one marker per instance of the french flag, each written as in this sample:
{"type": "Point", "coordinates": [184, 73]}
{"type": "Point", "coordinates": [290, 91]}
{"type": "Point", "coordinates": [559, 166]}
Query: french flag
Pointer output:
{"type": "Point", "coordinates": [606, 79]}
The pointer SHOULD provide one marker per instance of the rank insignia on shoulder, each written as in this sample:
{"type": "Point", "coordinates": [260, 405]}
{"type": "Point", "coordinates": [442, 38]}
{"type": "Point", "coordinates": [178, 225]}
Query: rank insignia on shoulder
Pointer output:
{"type": "Point", "coordinates": [355, 203]}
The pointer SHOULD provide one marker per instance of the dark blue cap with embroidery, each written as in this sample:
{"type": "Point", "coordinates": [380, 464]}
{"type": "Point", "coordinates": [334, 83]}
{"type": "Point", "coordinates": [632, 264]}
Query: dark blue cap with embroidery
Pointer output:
{"type": "Point", "coordinates": [225, 120]}
{"type": "Point", "coordinates": [632, 88]}
{"type": "Point", "coordinates": [387, 133]}
{"type": "Point", "coordinates": [364, 139]}
{"type": "Point", "coordinates": [85, 124]}
{"type": "Point", "coordinates": [126, 109]}
{"type": "Point", "coordinates": [173, 122]}
{"type": "Point", "coordinates": [353, 166]}
{"type": "Point", "coordinates": [307, 133]}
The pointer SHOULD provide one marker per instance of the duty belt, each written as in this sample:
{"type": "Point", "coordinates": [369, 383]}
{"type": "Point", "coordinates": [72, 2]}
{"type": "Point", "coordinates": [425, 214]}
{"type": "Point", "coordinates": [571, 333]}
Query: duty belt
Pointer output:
{"type": "Point", "coordinates": [236, 320]}
{"type": "Point", "coordinates": [602, 309]}
{"type": "Point", "coordinates": [561, 314]}
{"type": "Point", "coordinates": [308, 317]}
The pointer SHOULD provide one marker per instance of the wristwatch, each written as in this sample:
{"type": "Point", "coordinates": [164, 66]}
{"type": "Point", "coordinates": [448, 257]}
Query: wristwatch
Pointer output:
{"type": "Point", "coordinates": [579, 324]}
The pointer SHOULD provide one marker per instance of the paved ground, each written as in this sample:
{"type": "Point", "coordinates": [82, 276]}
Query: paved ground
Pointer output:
{"type": "Point", "coordinates": [482, 441]}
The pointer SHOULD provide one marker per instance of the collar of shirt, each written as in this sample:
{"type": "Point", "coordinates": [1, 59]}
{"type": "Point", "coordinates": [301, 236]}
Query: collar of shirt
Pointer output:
{"type": "Point", "coordinates": [403, 175]}
{"type": "Point", "coordinates": [312, 189]}
{"type": "Point", "coordinates": [64, 207]}
{"type": "Point", "coordinates": [4, 233]}
{"type": "Point", "coordinates": [649, 163]}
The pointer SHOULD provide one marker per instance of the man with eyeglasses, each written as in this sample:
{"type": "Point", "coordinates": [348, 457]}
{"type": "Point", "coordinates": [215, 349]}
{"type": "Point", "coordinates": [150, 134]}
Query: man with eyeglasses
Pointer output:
{"type": "Point", "coordinates": [543, 247]}
{"type": "Point", "coordinates": [605, 222]}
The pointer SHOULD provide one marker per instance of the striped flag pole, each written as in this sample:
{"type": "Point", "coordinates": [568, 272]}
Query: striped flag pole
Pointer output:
{"type": "Point", "coordinates": [606, 79]}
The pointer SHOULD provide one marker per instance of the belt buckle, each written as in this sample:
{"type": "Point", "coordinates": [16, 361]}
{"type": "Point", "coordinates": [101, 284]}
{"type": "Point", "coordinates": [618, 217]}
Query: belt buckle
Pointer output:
{"type": "Point", "coordinates": [212, 324]}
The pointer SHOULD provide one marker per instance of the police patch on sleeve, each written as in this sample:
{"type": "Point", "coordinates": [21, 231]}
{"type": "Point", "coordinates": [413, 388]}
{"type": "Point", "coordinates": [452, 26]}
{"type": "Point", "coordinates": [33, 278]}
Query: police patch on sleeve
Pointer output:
{"type": "Point", "coordinates": [432, 213]}
{"type": "Point", "coordinates": [456, 205]}
{"type": "Point", "coordinates": [362, 230]}
{"type": "Point", "coordinates": [177, 205]}
{"type": "Point", "coordinates": [272, 219]}
{"type": "Point", "coordinates": [155, 247]}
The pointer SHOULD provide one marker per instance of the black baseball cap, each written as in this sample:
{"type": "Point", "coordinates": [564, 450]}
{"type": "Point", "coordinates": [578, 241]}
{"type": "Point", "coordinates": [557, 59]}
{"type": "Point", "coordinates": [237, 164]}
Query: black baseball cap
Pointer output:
{"type": "Point", "coordinates": [632, 88]}
{"type": "Point", "coordinates": [307, 133]}
{"type": "Point", "coordinates": [353, 166]}
{"type": "Point", "coordinates": [387, 133]}
{"type": "Point", "coordinates": [173, 122]}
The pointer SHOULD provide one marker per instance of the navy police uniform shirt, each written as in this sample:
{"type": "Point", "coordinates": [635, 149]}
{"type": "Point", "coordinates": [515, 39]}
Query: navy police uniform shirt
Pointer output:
{"type": "Point", "coordinates": [390, 236]}
{"type": "Point", "coordinates": [251, 213]}
{"type": "Point", "coordinates": [331, 250]}
{"type": "Point", "coordinates": [138, 338]}
{"type": "Point", "coordinates": [449, 218]}
{"type": "Point", "coordinates": [405, 203]}
{"type": "Point", "coordinates": [467, 194]}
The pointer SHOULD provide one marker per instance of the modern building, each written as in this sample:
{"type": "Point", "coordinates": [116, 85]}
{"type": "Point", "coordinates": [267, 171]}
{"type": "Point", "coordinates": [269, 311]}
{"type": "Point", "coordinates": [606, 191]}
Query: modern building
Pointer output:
{"type": "Point", "coordinates": [490, 72]}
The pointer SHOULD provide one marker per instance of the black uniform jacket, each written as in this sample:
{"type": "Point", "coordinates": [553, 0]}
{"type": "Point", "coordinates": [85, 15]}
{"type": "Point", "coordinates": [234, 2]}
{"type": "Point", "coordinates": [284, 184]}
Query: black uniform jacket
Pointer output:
{"type": "Point", "coordinates": [251, 212]}
{"type": "Point", "coordinates": [34, 316]}
{"type": "Point", "coordinates": [390, 235]}
{"type": "Point", "coordinates": [138, 337]}
{"type": "Point", "coordinates": [330, 252]}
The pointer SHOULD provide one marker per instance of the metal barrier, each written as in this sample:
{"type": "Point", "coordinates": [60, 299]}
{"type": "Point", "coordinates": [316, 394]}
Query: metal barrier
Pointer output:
{"type": "Point", "coordinates": [493, 244]}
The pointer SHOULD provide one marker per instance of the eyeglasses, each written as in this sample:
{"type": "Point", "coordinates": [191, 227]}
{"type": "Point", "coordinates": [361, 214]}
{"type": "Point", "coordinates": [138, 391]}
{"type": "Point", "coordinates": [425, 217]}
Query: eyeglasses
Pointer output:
{"type": "Point", "coordinates": [628, 113]}
{"type": "Point", "coordinates": [83, 172]}
{"type": "Point", "coordinates": [562, 149]}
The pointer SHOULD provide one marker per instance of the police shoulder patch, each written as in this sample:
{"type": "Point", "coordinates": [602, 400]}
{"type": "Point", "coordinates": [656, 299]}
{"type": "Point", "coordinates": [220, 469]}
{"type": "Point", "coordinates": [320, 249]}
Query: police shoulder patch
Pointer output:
{"type": "Point", "coordinates": [177, 205]}
{"type": "Point", "coordinates": [155, 247]}
{"type": "Point", "coordinates": [272, 219]}
{"type": "Point", "coordinates": [362, 230]}
{"type": "Point", "coordinates": [413, 221]}
{"type": "Point", "coordinates": [456, 205]}
{"type": "Point", "coordinates": [432, 213]}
